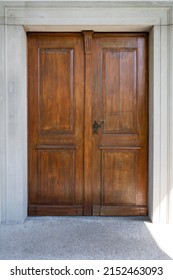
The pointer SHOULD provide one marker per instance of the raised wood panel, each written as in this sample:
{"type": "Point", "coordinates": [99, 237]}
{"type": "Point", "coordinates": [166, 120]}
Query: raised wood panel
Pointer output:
{"type": "Point", "coordinates": [119, 177]}
{"type": "Point", "coordinates": [119, 90]}
{"type": "Point", "coordinates": [56, 90]}
{"type": "Point", "coordinates": [56, 180]}
{"type": "Point", "coordinates": [115, 40]}
{"type": "Point", "coordinates": [56, 210]}
{"type": "Point", "coordinates": [120, 210]}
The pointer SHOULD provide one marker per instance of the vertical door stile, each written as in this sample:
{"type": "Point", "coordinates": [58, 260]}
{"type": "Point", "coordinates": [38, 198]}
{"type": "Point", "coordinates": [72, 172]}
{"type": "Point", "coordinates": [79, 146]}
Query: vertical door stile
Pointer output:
{"type": "Point", "coordinates": [87, 123]}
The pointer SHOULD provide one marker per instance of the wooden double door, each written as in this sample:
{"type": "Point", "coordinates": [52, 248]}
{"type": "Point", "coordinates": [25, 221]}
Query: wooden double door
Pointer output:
{"type": "Point", "coordinates": [87, 123]}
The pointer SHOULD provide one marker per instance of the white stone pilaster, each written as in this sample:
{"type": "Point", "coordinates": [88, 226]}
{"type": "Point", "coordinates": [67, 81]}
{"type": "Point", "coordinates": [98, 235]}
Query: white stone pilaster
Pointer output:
{"type": "Point", "coordinates": [154, 123]}
{"type": "Point", "coordinates": [151, 125]}
{"type": "Point", "coordinates": [170, 174]}
{"type": "Point", "coordinates": [159, 126]}
{"type": "Point", "coordinates": [164, 125]}
{"type": "Point", "coordinates": [16, 134]}
{"type": "Point", "coordinates": [2, 125]}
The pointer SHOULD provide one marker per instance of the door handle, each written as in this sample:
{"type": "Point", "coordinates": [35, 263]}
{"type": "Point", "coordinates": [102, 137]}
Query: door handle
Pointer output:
{"type": "Point", "coordinates": [97, 125]}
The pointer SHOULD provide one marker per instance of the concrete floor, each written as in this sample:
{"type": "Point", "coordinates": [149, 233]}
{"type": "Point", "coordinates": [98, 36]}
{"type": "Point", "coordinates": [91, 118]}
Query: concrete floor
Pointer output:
{"type": "Point", "coordinates": [86, 238]}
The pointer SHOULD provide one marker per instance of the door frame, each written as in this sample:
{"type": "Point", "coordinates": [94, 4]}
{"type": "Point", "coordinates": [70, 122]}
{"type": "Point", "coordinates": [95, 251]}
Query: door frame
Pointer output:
{"type": "Point", "coordinates": [16, 21]}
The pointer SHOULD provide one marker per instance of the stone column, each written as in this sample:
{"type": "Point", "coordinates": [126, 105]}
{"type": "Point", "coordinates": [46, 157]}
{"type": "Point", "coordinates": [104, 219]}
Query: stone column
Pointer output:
{"type": "Point", "coordinates": [154, 127]}
{"type": "Point", "coordinates": [160, 94]}
{"type": "Point", "coordinates": [2, 125]}
{"type": "Point", "coordinates": [164, 125]}
{"type": "Point", "coordinates": [16, 124]}
{"type": "Point", "coordinates": [170, 85]}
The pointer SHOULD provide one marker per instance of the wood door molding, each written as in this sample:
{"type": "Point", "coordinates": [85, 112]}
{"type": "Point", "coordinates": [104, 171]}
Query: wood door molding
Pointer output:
{"type": "Point", "coordinates": [87, 123]}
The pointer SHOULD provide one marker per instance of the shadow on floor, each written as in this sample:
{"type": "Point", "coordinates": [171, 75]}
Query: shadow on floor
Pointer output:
{"type": "Point", "coordinates": [71, 238]}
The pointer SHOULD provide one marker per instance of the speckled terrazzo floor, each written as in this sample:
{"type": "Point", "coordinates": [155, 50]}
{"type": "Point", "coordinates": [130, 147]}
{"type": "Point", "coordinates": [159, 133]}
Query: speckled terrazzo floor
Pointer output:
{"type": "Point", "coordinates": [84, 238]}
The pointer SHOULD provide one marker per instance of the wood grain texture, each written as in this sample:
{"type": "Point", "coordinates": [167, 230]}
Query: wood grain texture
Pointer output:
{"type": "Point", "coordinates": [55, 123]}
{"type": "Point", "coordinates": [75, 79]}
{"type": "Point", "coordinates": [120, 99]}
{"type": "Point", "coordinates": [119, 90]}
{"type": "Point", "coordinates": [56, 96]}
{"type": "Point", "coordinates": [119, 177]}
{"type": "Point", "coordinates": [87, 123]}
{"type": "Point", "coordinates": [55, 210]}
{"type": "Point", "coordinates": [56, 182]}
{"type": "Point", "coordinates": [118, 210]}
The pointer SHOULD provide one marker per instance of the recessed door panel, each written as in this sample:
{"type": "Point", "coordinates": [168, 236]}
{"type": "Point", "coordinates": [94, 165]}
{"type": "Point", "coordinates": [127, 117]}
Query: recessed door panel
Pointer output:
{"type": "Point", "coordinates": [119, 90]}
{"type": "Point", "coordinates": [56, 177]}
{"type": "Point", "coordinates": [118, 172]}
{"type": "Point", "coordinates": [56, 97]}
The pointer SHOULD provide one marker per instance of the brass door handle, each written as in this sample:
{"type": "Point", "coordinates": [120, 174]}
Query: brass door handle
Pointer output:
{"type": "Point", "coordinates": [97, 125]}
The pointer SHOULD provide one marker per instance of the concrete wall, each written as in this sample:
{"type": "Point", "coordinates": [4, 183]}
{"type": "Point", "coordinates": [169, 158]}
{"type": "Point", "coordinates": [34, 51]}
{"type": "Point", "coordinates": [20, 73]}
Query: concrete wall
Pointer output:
{"type": "Point", "coordinates": [2, 125]}
{"type": "Point", "coordinates": [13, 123]}
{"type": "Point", "coordinates": [18, 17]}
{"type": "Point", "coordinates": [16, 124]}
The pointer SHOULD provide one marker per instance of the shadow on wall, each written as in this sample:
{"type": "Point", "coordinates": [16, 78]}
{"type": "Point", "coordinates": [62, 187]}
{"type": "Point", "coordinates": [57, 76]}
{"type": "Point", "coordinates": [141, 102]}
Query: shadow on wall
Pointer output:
{"type": "Point", "coordinates": [90, 238]}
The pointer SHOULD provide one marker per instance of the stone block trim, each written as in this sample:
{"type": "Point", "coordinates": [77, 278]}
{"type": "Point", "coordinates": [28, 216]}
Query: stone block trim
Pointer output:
{"type": "Point", "coordinates": [16, 18]}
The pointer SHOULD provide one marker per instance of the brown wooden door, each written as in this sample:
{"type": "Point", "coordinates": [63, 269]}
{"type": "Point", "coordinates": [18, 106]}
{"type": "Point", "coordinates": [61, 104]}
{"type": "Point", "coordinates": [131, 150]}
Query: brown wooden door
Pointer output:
{"type": "Point", "coordinates": [55, 118]}
{"type": "Point", "coordinates": [76, 81]}
{"type": "Point", "coordinates": [119, 106]}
